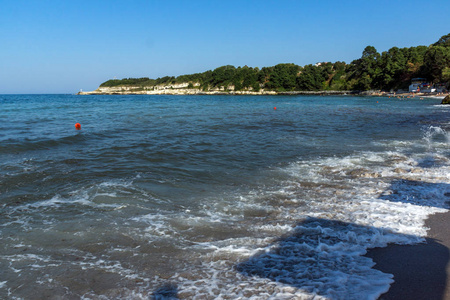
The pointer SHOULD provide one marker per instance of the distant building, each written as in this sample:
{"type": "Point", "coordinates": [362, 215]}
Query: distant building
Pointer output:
{"type": "Point", "coordinates": [321, 63]}
{"type": "Point", "coordinates": [440, 87]}
{"type": "Point", "coordinates": [420, 85]}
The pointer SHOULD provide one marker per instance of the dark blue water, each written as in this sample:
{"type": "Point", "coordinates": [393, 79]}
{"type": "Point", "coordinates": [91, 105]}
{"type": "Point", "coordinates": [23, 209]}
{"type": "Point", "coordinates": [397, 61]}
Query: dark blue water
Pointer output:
{"type": "Point", "coordinates": [178, 190]}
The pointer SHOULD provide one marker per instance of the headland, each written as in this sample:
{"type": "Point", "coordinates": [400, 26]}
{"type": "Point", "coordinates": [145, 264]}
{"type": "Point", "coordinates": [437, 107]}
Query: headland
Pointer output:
{"type": "Point", "coordinates": [182, 89]}
{"type": "Point", "coordinates": [417, 71]}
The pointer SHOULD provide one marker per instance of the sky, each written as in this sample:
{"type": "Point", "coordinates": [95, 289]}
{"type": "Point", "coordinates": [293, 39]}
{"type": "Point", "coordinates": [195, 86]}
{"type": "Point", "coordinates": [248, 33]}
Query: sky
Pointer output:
{"type": "Point", "coordinates": [54, 46]}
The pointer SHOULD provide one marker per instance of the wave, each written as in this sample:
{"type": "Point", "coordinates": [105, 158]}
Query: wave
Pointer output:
{"type": "Point", "coordinates": [302, 237]}
{"type": "Point", "coordinates": [292, 228]}
{"type": "Point", "coordinates": [14, 145]}
{"type": "Point", "coordinates": [27, 144]}
{"type": "Point", "coordinates": [432, 134]}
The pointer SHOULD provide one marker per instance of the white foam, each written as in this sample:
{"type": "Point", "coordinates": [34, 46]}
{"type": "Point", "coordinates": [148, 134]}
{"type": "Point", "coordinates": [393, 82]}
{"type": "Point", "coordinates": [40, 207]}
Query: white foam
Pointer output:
{"type": "Point", "coordinates": [369, 205]}
{"type": "Point", "coordinates": [431, 132]}
{"type": "Point", "coordinates": [300, 239]}
{"type": "Point", "coordinates": [56, 202]}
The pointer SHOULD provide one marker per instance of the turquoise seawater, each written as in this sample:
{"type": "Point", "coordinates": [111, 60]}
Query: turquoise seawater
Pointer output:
{"type": "Point", "coordinates": [205, 197]}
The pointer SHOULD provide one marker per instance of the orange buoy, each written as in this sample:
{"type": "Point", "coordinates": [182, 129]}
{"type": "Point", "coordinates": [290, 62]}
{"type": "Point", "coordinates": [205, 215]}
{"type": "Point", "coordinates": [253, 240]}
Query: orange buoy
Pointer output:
{"type": "Point", "coordinates": [77, 126]}
{"type": "Point", "coordinates": [274, 108]}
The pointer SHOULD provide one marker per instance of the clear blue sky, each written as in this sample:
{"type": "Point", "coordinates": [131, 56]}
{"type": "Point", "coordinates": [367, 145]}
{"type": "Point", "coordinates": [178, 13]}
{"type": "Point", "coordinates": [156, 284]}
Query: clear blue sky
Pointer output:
{"type": "Point", "coordinates": [64, 46]}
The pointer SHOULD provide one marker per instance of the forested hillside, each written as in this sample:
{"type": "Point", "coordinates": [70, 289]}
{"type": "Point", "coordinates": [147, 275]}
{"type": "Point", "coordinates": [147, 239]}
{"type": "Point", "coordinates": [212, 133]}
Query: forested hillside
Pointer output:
{"type": "Point", "coordinates": [389, 70]}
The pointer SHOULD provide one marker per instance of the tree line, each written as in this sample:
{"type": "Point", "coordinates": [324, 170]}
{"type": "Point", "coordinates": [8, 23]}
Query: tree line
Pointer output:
{"type": "Point", "coordinates": [390, 70]}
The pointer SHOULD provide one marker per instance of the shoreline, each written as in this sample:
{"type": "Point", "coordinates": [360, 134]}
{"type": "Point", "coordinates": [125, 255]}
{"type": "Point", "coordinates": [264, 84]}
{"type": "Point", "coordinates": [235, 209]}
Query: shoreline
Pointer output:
{"type": "Point", "coordinates": [421, 271]}
{"type": "Point", "coordinates": [131, 91]}
{"type": "Point", "coordinates": [213, 92]}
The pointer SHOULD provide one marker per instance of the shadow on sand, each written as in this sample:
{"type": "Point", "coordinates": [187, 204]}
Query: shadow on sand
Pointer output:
{"type": "Point", "coordinates": [419, 193]}
{"type": "Point", "coordinates": [420, 271]}
{"type": "Point", "coordinates": [166, 292]}
{"type": "Point", "coordinates": [327, 257]}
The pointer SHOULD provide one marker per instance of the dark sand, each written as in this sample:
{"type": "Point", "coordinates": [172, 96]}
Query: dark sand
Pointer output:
{"type": "Point", "coordinates": [420, 271]}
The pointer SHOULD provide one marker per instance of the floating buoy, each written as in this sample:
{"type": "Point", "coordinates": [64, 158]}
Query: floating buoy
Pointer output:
{"type": "Point", "coordinates": [77, 126]}
{"type": "Point", "coordinates": [274, 108]}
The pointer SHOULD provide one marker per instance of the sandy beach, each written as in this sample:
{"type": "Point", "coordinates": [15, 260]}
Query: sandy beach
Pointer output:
{"type": "Point", "coordinates": [420, 271]}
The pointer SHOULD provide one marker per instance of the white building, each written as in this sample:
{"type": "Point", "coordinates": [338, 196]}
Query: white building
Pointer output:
{"type": "Point", "coordinates": [420, 85]}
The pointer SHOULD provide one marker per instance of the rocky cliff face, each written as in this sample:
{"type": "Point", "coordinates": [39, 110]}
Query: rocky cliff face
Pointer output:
{"type": "Point", "coordinates": [194, 89]}
{"type": "Point", "coordinates": [173, 89]}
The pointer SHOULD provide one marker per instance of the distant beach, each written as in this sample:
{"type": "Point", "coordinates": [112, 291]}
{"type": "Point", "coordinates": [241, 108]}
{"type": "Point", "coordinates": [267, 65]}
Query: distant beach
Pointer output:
{"type": "Point", "coordinates": [170, 90]}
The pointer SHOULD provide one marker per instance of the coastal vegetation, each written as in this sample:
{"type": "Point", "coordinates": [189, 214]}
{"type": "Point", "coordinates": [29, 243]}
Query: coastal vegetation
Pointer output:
{"type": "Point", "coordinates": [389, 70]}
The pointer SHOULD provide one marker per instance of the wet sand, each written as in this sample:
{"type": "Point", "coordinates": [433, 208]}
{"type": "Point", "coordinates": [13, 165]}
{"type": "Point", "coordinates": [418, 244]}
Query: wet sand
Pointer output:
{"type": "Point", "coordinates": [420, 271]}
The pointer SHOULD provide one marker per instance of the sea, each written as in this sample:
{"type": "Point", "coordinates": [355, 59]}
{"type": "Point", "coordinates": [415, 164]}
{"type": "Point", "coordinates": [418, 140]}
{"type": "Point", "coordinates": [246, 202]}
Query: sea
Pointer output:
{"type": "Point", "coordinates": [214, 197]}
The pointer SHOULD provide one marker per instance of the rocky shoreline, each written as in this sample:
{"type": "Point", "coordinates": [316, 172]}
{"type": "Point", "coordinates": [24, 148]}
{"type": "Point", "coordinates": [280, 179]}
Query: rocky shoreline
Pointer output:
{"type": "Point", "coordinates": [181, 89]}
{"type": "Point", "coordinates": [213, 92]}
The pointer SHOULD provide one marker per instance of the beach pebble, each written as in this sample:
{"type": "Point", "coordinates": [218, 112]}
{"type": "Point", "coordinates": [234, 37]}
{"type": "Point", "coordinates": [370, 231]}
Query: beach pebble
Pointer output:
{"type": "Point", "coordinates": [400, 170]}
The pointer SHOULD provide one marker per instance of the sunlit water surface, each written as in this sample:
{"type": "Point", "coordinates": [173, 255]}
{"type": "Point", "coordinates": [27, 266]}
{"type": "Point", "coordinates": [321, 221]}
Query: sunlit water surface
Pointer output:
{"type": "Point", "coordinates": [213, 197]}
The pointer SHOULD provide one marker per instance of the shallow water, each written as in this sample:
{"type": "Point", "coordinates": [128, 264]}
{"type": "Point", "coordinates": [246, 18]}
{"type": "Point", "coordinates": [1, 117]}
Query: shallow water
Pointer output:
{"type": "Point", "coordinates": [202, 197]}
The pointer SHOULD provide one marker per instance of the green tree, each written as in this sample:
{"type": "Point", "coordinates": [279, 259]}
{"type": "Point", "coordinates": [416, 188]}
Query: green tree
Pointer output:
{"type": "Point", "coordinates": [444, 41]}
{"type": "Point", "coordinates": [311, 79]}
{"type": "Point", "coordinates": [338, 79]}
{"type": "Point", "coordinates": [436, 59]}
{"type": "Point", "coordinates": [446, 75]}
{"type": "Point", "coordinates": [282, 77]}
{"type": "Point", "coordinates": [365, 70]}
